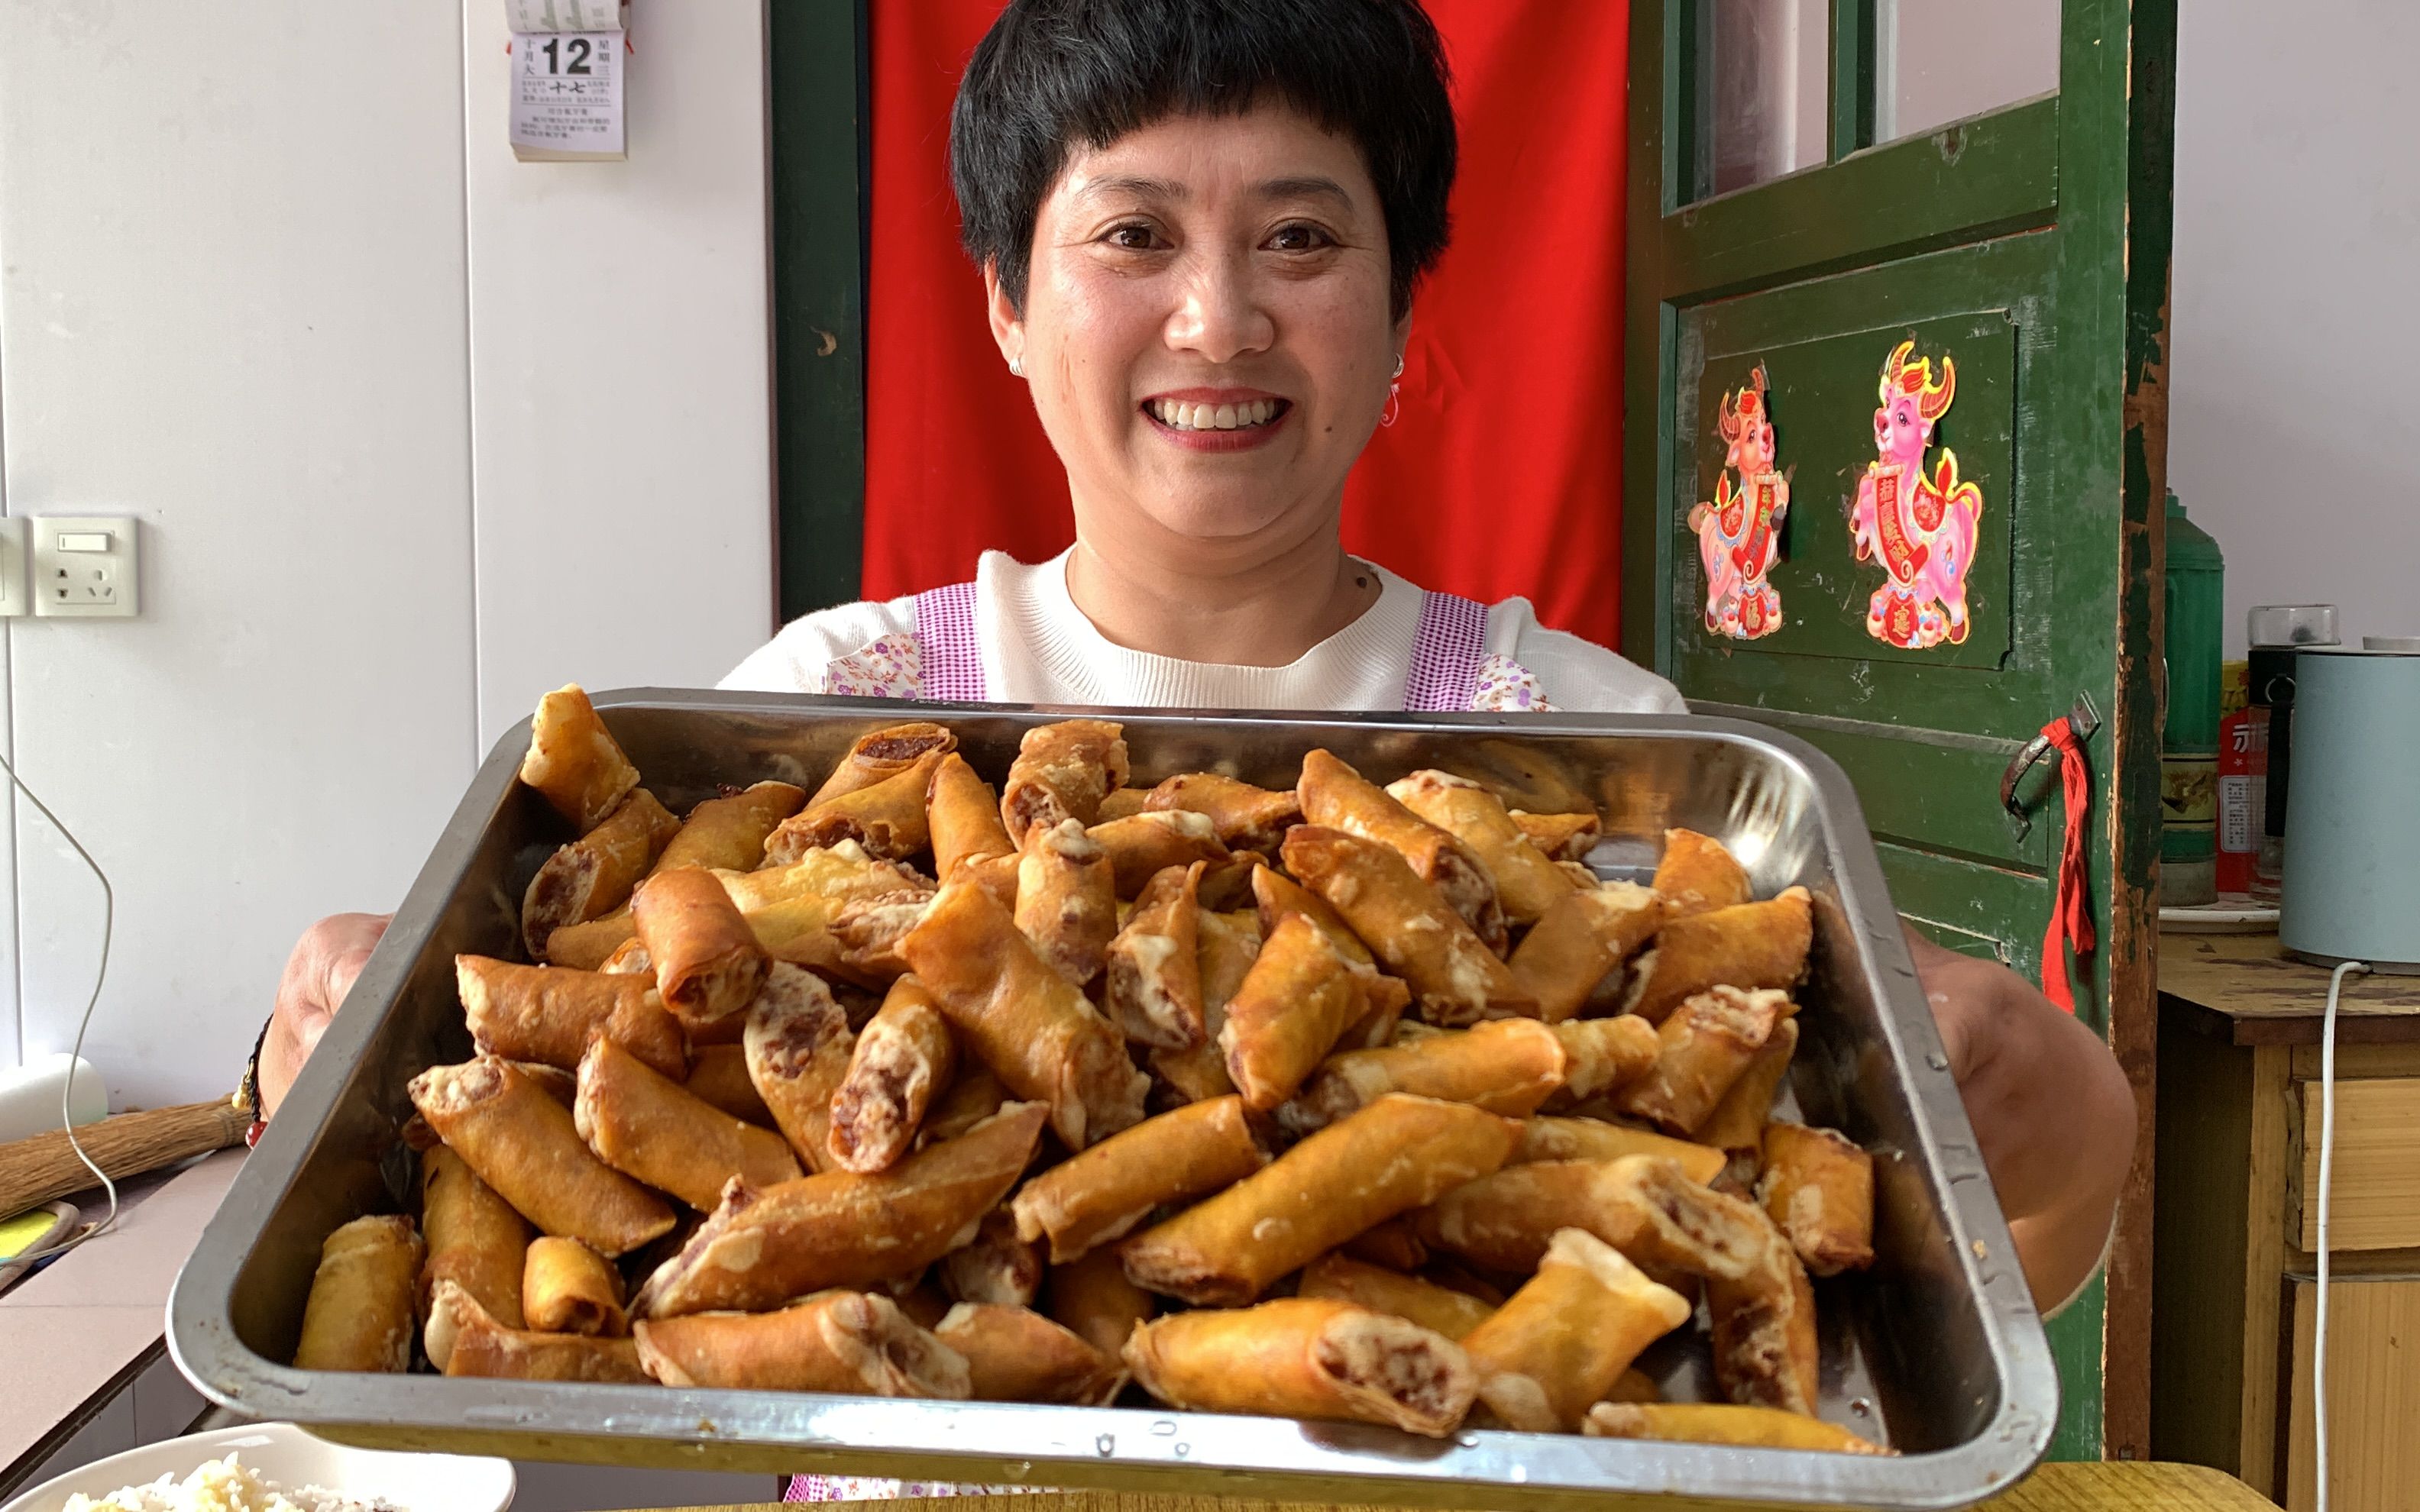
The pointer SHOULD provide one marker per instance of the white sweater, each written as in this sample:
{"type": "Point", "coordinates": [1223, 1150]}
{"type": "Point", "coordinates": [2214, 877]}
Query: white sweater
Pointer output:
{"type": "Point", "coordinates": [1037, 647]}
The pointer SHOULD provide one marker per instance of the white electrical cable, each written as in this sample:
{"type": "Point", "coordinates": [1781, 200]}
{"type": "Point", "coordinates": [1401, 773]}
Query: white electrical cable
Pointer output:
{"type": "Point", "coordinates": [66, 1113]}
{"type": "Point", "coordinates": [2327, 1159]}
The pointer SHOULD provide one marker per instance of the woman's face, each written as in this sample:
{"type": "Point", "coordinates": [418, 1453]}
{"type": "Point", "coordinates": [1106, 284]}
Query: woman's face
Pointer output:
{"type": "Point", "coordinates": [1206, 330]}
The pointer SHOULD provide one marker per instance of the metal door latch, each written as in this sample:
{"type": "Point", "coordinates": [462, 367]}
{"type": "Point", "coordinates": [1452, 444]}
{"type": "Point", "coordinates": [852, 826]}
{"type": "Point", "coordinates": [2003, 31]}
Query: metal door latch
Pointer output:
{"type": "Point", "coordinates": [2082, 718]}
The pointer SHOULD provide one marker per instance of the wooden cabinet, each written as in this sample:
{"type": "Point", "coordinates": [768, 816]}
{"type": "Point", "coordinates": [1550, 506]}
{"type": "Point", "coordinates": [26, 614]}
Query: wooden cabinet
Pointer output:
{"type": "Point", "coordinates": [2373, 1390]}
{"type": "Point", "coordinates": [2236, 1220]}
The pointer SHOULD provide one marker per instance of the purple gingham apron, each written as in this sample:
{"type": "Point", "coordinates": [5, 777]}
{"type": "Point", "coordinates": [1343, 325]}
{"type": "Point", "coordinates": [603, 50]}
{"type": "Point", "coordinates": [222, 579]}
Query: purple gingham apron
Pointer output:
{"type": "Point", "coordinates": [1447, 650]}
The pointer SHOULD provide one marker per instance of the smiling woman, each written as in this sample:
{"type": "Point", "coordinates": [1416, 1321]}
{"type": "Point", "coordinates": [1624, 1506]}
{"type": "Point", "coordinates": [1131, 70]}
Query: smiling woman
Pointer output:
{"type": "Point", "coordinates": [1202, 226]}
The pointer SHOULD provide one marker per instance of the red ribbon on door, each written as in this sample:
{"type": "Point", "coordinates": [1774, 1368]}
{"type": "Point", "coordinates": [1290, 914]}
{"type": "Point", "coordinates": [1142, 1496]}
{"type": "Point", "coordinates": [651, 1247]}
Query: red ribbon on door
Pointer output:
{"type": "Point", "coordinates": [2071, 913]}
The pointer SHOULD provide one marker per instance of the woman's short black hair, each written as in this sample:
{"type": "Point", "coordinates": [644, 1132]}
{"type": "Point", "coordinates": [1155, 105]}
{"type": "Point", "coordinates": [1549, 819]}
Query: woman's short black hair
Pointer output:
{"type": "Point", "coordinates": [1055, 75]}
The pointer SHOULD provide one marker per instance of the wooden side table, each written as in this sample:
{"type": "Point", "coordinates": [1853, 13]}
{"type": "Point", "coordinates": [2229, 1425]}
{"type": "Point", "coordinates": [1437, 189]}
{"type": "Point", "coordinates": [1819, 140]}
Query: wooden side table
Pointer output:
{"type": "Point", "coordinates": [2235, 1225]}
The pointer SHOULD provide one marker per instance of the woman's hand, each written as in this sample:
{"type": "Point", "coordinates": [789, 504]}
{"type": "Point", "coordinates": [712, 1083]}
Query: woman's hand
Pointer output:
{"type": "Point", "coordinates": [2050, 1107]}
{"type": "Point", "coordinates": [318, 974]}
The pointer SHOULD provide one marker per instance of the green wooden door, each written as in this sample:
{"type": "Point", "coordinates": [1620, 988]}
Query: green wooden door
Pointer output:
{"type": "Point", "coordinates": [1806, 217]}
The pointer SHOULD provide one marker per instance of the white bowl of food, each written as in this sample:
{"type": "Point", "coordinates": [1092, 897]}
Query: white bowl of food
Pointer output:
{"type": "Point", "coordinates": [277, 1468]}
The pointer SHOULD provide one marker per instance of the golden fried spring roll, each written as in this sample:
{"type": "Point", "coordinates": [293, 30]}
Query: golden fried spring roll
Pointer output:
{"type": "Point", "coordinates": [1295, 1004]}
{"type": "Point", "coordinates": [1578, 940]}
{"type": "Point", "coordinates": [707, 963]}
{"type": "Point", "coordinates": [523, 1143]}
{"type": "Point", "coordinates": [798, 1047]}
{"type": "Point", "coordinates": [1381, 1291]}
{"type": "Point", "coordinates": [1398, 1153]}
{"type": "Point", "coordinates": [1092, 1299]}
{"type": "Point", "coordinates": [718, 1077]}
{"type": "Point", "coordinates": [1705, 1048]}
{"type": "Point", "coordinates": [1394, 1245]}
{"type": "Point", "coordinates": [832, 875]}
{"type": "Point", "coordinates": [1277, 895]}
{"type": "Point", "coordinates": [1335, 797]}
{"type": "Point", "coordinates": [761, 1248]}
{"type": "Point", "coordinates": [962, 813]}
{"type": "Point", "coordinates": [899, 1065]}
{"type": "Point", "coordinates": [1022, 1018]}
{"type": "Point", "coordinates": [594, 874]}
{"type": "Point", "coordinates": [1145, 844]}
{"type": "Point", "coordinates": [728, 833]}
{"type": "Point", "coordinates": [566, 1288]}
{"type": "Point", "coordinates": [1746, 946]}
{"type": "Point", "coordinates": [1634, 1385]}
{"type": "Point", "coordinates": [1736, 1126]}
{"type": "Point", "coordinates": [1560, 836]}
{"type": "Point", "coordinates": [649, 1127]}
{"type": "Point", "coordinates": [1818, 1188]}
{"type": "Point", "coordinates": [855, 1342]}
{"type": "Point", "coordinates": [1307, 1357]}
{"type": "Point", "coordinates": [485, 1348]}
{"type": "Point", "coordinates": [1527, 882]}
{"type": "Point", "coordinates": [1244, 818]}
{"type": "Point", "coordinates": [1765, 1339]}
{"type": "Point", "coordinates": [889, 818]}
{"type": "Point", "coordinates": [976, 1095]}
{"type": "Point", "coordinates": [1509, 1066]}
{"type": "Point", "coordinates": [879, 755]}
{"type": "Point", "coordinates": [1123, 803]}
{"type": "Point", "coordinates": [1407, 924]}
{"type": "Point", "coordinates": [1747, 1427]}
{"type": "Point", "coordinates": [868, 931]}
{"type": "Point", "coordinates": [1067, 901]}
{"type": "Point", "coordinates": [359, 1315]}
{"type": "Point", "coordinates": [1642, 1205]}
{"type": "Point", "coordinates": [1698, 876]}
{"type": "Point", "coordinates": [1153, 990]}
{"type": "Point", "coordinates": [1062, 771]}
{"type": "Point", "coordinates": [629, 959]}
{"type": "Point", "coordinates": [1101, 1194]}
{"type": "Point", "coordinates": [1226, 946]}
{"type": "Point", "coordinates": [1559, 1343]}
{"type": "Point", "coordinates": [587, 947]}
{"type": "Point", "coordinates": [573, 761]}
{"type": "Point", "coordinates": [549, 1014]}
{"type": "Point", "coordinates": [474, 1239]}
{"type": "Point", "coordinates": [560, 1085]}
{"type": "Point", "coordinates": [1606, 1054]}
{"type": "Point", "coordinates": [996, 1266]}
{"type": "Point", "coordinates": [1594, 1139]}
{"type": "Point", "coordinates": [1015, 1354]}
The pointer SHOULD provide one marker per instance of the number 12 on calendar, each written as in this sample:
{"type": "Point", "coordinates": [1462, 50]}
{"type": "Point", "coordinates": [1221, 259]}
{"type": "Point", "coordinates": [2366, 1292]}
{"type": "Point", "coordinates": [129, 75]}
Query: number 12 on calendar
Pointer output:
{"type": "Point", "coordinates": [567, 96]}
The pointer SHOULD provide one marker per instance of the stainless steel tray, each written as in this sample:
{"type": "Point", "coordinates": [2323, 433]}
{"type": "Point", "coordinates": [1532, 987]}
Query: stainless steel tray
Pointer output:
{"type": "Point", "coordinates": [1937, 1350]}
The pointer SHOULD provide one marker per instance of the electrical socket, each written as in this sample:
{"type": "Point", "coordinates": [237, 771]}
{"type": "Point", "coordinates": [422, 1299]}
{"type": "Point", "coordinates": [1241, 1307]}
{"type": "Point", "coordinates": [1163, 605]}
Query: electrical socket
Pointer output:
{"type": "Point", "coordinates": [83, 566]}
{"type": "Point", "coordinates": [12, 567]}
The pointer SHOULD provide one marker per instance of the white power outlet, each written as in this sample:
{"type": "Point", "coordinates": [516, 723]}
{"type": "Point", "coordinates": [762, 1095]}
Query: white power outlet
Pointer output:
{"type": "Point", "coordinates": [12, 567]}
{"type": "Point", "coordinates": [83, 566]}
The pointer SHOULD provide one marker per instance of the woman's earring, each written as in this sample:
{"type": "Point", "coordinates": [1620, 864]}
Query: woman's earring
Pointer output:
{"type": "Point", "coordinates": [1394, 395]}
{"type": "Point", "coordinates": [1016, 367]}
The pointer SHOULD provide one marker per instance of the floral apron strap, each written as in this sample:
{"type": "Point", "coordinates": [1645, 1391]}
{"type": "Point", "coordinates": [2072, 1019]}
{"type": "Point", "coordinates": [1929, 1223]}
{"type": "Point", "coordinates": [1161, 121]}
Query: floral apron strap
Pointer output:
{"type": "Point", "coordinates": [945, 634]}
{"type": "Point", "coordinates": [1447, 651]}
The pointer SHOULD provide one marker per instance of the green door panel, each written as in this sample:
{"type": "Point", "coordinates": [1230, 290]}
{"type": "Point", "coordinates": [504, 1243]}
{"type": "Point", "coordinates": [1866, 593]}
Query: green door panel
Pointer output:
{"type": "Point", "coordinates": [2029, 244]}
{"type": "Point", "coordinates": [1822, 397]}
{"type": "Point", "coordinates": [1969, 905]}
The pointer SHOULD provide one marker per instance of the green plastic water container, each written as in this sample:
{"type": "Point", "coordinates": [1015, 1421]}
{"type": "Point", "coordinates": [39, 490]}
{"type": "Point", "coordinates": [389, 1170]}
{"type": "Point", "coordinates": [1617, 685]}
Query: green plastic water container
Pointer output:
{"type": "Point", "coordinates": [2196, 579]}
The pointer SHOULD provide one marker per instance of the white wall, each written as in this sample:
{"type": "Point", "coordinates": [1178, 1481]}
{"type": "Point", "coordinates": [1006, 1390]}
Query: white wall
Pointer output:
{"type": "Point", "coordinates": [2290, 435]}
{"type": "Point", "coordinates": [304, 316]}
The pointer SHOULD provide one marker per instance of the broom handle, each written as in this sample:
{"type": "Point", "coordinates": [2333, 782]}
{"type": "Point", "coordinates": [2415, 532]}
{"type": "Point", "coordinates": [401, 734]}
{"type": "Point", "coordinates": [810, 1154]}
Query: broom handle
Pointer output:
{"type": "Point", "coordinates": [34, 1171]}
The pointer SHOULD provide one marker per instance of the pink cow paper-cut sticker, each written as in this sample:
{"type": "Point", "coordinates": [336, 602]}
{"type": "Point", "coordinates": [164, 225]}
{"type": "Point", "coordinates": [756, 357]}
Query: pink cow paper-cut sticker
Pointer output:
{"type": "Point", "coordinates": [1922, 529]}
{"type": "Point", "coordinates": [1739, 532]}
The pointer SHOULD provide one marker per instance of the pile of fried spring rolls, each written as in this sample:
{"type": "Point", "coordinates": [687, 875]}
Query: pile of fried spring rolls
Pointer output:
{"type": "Point", "coordinates": [1347, 1103]}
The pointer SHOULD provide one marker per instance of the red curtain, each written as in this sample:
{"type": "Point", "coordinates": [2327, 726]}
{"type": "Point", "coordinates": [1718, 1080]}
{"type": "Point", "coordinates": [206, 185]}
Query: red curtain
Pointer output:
{"type": "Point", "coordinates": [1503, 473]}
